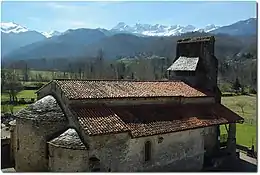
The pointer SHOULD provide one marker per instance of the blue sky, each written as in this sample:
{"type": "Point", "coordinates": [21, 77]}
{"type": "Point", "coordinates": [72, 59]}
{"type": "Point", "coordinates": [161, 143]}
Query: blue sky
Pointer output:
{"type": "Point", "coordinates": [57, 15]}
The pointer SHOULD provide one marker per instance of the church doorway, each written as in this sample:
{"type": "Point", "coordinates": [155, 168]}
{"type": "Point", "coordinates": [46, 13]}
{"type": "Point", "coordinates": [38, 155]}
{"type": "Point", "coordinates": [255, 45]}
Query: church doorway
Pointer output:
{"type": "Point", "coordinates": [94, 164]}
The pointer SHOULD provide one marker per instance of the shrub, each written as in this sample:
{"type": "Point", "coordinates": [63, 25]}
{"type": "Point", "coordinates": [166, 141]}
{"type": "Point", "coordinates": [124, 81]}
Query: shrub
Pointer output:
{"type": "Point", "coordinates": [252, 91]}
{"type": "Point", "coordinates": [225, 87]}
{"type": "Point", "coordinates": [22, 101]}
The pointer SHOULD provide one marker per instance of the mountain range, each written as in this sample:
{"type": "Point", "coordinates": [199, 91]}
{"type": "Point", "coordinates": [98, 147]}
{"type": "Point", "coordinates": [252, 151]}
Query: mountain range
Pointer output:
{"type": "Point", "coordinates": [19, 42]}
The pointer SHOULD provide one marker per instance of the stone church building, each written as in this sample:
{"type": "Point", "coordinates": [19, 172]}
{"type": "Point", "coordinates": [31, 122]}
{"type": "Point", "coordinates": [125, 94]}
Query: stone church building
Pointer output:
{"type": "Point", "coordinates": [127, 126]}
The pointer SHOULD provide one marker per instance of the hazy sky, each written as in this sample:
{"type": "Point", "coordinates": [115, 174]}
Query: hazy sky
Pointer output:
{"type": "Point", "coordinates": [57, 15]}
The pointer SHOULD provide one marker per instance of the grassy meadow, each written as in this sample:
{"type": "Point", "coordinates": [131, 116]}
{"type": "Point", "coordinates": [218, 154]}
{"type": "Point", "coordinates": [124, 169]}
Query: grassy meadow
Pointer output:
{"type": "Point", "coordinates": [26, 94]}
{"type": "Point", "coordinates": [246, 132]}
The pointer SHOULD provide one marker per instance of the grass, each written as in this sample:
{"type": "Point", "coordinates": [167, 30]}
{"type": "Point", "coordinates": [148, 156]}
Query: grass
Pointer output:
{"type": "Point", "coordinates": [246, 132]}
{"type": "Point", "coordinates": [4, 97]}
{"type": "Point", "coordinates": [27, 94]}
{"type": "Point", "coordinates": [249, 109]}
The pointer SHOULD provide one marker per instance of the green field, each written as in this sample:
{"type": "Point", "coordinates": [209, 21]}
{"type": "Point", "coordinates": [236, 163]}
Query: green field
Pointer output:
{"type": "Point", "coordinates": [246, 132]}
{"type": "Point", "coordinates": [26, 94]}
{"type": "Point", "coordinates": [41, 75]}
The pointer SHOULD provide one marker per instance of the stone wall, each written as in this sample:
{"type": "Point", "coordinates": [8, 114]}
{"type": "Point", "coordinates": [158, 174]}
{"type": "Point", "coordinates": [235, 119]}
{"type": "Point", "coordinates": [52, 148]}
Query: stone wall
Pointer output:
{"type": "Point", "coordinates": [210, 138]}
{"type": "Point", "coordinates": [180, 151]}
{"type": "Point", "coordinates": [31, 147]}
{"type": "Point", "coordinates": [111, 150]}
{"type": "Point", "coordinates": [13, 142]}
{"type": "Point", "coordinates": [44, 91]}
{"type": "Point", "coordinates": [198, 100]}
{"type": "Point", "coordinates": [169, 154]}
{"type": "Point", "coordinates": [67, 160]}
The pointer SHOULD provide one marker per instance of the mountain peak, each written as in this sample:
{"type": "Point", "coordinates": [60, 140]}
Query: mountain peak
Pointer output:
{"type": "Point", "coordinates": [154, 30]}
{"type": "Point", "coordinates": [8, 27]}
{"type": "Point", "coordinates": [120, 26]}
{"type": "Point", "coordinates": [51, 33]}
{"type": "Point", "coordinates": [210, 27]}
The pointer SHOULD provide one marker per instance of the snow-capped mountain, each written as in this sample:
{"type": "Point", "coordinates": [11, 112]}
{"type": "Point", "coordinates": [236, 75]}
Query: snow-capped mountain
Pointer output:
{"type": "Point", "coordinates": [11, 27]}
{"type": "Point", "coordinates": [210, 28]}
{"type": "Point", "coordinates": [51, 34]}
{"type": "Point", "coordinates": [14, 36]}
{"type": "Point", "coordinates": [160, 30]}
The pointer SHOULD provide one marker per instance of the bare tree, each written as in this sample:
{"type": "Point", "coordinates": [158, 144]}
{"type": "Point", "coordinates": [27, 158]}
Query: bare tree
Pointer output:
{"type": "Point", "coordinates": [241, 104]}
{"type": "Point", "coordinates": [12, 86]}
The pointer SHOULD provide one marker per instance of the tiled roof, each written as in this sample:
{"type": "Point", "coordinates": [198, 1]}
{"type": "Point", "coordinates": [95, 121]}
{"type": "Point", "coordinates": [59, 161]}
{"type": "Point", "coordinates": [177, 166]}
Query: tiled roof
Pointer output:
{"type": "Point", "coordinates": [99, 120]}
{"type": "Point", "coordinates": [83, 89]}
{"type": "Point", "coordinates": [68, 139]}
{"type": "Point", "coordinates": [145, 120]}
{"type": "Point", "coordinates": [184, 64]}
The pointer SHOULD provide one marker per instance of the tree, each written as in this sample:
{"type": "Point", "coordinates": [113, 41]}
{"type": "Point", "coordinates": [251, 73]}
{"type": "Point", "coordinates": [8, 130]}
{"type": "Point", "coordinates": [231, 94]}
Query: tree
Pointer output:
{"type": "Point", "coordinates": [241, 104]}
{"type": "Point", "coordinates": [99, 63]}
{"type": "Point", "coordinates": [12, 86]}
{"type": "Point", "coordinates": [236, 85]}
{"type": "Point", "coordinates": [25, 72]}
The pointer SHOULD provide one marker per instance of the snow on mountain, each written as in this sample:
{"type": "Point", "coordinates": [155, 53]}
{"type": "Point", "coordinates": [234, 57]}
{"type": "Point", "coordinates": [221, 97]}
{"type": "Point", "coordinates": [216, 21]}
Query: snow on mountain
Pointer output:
{"type": "Point", "coordinates": [137, 29]}
{"type": "Point", "coordinates": [11, 27]}
{"type": "Point", "coordinates": [160, 30]}
{"type": "Point", "coordinates": [8, 27]}
{"type": "Point", "coordinates": [210, 27]}
{"type": "Point", "coordinates": [51, 34]}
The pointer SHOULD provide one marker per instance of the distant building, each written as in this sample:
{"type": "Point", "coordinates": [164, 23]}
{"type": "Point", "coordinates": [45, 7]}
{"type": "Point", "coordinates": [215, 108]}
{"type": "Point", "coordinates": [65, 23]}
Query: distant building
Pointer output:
{"type": "Point", "coordinates": [126, 126]}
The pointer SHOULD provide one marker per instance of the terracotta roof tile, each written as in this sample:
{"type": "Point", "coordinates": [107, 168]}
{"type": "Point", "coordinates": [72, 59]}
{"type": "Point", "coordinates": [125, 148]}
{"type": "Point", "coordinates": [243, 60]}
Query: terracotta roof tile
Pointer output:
{"type": "Point", "coordinates": [145, 120]}
{"type": "Point", "coordinates": [83, 89]}
{"type": "Point", "coordinates": [99, 120]}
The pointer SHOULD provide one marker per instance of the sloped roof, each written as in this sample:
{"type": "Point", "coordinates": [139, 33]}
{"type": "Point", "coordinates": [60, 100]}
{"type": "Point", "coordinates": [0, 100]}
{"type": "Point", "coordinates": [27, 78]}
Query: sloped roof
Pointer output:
{"type": "Point", "coordinates": [93, 89]}
{"type": "Point", "coordinates": [45, 109]}
{"type": "Point", "coordinates": [69, 139]}
{"type": "Point", "coordinates": [145, 120]}
{"type": "Point", "coordinates": [99, 120]}
{"type": "Point", "coordinates": [184, 64]}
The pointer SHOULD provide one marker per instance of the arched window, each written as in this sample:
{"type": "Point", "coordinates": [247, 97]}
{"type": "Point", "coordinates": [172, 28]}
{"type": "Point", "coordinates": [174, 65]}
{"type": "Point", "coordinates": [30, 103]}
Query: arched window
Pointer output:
{"type": "Point", "coordinates": [147, 150]}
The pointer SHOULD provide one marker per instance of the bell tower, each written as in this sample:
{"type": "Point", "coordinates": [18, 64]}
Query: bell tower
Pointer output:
{"type": "Point", "coordinates": [196, 64]}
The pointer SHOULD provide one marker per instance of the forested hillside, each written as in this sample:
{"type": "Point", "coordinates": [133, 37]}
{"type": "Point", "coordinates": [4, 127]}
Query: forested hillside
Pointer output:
{"type": "Point", "coordinates": [125, 56]}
